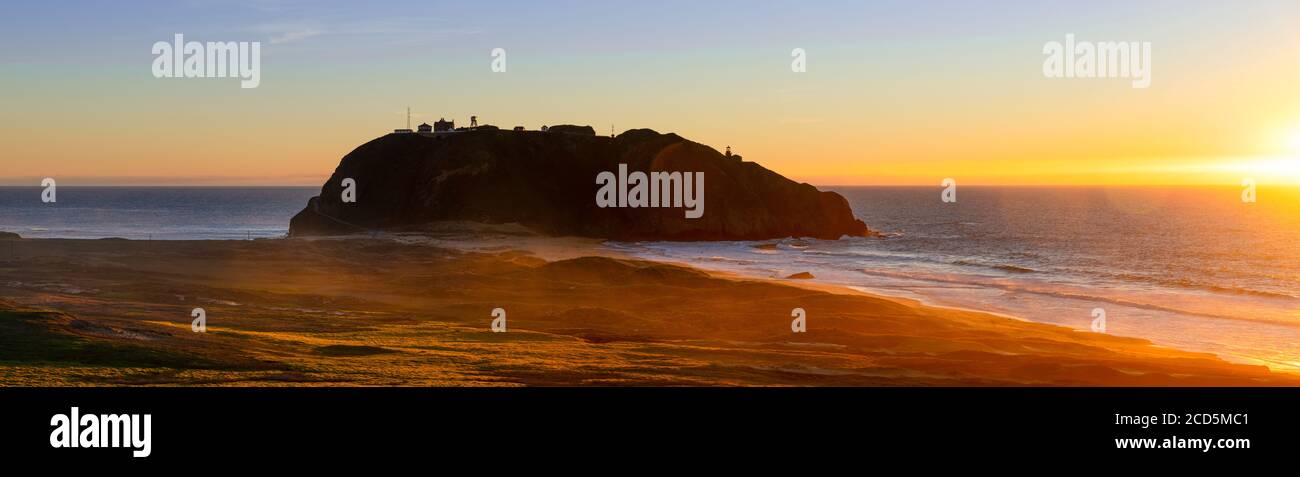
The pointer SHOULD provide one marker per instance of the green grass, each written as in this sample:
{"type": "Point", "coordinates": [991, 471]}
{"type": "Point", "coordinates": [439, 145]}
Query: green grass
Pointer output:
{"type": "Point", "coordinates": [26, 338]}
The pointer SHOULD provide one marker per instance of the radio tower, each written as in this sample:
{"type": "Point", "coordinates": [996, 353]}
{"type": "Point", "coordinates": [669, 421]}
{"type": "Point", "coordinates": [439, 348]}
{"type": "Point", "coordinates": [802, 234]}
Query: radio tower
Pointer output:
{"type": "Point", "coordinates": [408, 117]}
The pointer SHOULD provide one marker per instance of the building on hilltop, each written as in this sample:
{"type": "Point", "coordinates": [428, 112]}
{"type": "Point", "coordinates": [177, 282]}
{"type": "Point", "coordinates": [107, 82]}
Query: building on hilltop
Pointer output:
{"type": "Point", "coordinates": [443, 125]}
{"type": "Point", "coordinates": [425, 127]}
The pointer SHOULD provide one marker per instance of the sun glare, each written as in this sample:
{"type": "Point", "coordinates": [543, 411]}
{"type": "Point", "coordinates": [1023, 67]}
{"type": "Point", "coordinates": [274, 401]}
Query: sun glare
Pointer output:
{"type": "Point", "coordinates": [1280, 169]}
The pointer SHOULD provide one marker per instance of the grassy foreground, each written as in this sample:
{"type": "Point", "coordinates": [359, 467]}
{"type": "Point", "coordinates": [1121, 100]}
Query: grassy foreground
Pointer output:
{"type": "Point", "coordinates": [379, 312]}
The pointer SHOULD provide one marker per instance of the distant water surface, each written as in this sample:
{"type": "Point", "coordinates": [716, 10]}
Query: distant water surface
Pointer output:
{"type": "Point", "coordinates": [160, 213]}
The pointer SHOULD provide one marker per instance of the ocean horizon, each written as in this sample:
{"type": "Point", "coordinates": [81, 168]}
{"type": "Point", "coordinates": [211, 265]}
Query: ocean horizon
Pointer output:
{"type": "Point", "coordinates": [153, 212]}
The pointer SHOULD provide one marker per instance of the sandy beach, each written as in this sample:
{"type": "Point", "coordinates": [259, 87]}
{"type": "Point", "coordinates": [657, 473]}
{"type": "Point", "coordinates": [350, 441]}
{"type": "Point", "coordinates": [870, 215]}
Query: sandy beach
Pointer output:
{"type": "Point", "coordinates": [416, 311]}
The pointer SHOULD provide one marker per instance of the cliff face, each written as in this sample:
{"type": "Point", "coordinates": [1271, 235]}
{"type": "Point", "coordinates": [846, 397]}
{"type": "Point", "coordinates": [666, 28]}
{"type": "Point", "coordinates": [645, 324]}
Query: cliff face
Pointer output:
{"type": "Point", "coordinates": [548, 182]}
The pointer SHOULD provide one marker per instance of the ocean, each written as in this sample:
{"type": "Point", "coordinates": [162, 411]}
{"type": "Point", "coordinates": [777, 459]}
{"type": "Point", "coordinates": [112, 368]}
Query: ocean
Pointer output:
{"type": "Point", "coordinates": [1190, 268]}
{"type": "Point", "coordinates": [158, 213]}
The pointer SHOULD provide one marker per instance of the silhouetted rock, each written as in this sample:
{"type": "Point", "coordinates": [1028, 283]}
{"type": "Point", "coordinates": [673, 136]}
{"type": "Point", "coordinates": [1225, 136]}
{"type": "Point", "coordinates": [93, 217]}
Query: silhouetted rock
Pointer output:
{"type": "Point", "coordinates": [571, 129]}
{"type": "Point", "coordinates": [801, 276]}
{"type": "Point", "coordinates": [548, 182]}
{"type": "Point", "coordinates": [10, 236]}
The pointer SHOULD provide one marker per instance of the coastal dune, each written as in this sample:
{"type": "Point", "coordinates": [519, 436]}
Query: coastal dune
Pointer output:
{"type": "Point", "coordinates": [412, 311]}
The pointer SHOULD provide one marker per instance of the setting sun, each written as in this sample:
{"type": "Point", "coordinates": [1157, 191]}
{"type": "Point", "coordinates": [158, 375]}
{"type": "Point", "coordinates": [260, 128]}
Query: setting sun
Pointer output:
{"type": "Point", "coordinates": [1279, 169]}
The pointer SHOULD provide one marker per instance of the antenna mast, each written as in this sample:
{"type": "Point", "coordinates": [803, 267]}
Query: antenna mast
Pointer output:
{"type": "Point", "coordinates": [408, 117]}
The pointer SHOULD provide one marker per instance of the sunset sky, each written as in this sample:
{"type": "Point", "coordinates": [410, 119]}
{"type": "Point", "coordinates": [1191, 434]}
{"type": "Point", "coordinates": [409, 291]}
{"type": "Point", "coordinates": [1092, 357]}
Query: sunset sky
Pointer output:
{"type": "Point", "coordinates": [896, 92]}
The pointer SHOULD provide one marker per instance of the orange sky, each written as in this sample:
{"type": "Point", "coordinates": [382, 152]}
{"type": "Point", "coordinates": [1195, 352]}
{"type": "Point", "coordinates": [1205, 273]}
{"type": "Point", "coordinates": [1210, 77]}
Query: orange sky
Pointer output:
{"type": "Point", "coordinates": [944, 97]}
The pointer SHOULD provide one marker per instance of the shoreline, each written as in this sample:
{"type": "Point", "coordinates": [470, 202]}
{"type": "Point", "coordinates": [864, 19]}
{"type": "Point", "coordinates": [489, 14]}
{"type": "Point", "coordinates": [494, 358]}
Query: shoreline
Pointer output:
{"type": "Point", "coordinates": [1009, 297]}
{"type": "Point", "coordinates": [925, 302]}
{"type": "Point", "coordinates": [558, 295]}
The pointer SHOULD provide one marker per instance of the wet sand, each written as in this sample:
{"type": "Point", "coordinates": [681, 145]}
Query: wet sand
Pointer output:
{"type": "Point", "coordinates": [416, 311]}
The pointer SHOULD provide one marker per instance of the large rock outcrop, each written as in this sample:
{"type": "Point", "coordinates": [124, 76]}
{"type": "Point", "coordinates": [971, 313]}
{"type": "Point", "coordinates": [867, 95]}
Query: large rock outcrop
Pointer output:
{"type": "Point", "coordinates": [571, 129]}
{"type": "Point", "coordinates": [548, 182]}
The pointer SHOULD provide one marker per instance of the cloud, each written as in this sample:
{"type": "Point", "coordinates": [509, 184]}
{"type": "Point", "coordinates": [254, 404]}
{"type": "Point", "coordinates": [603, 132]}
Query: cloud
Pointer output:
{"type": "Point", "coordinates": [395, 31]}
{"type": "Point", "coordinates": [287, 33]}
{"type": "Point", "coordinates": [292, 34]}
